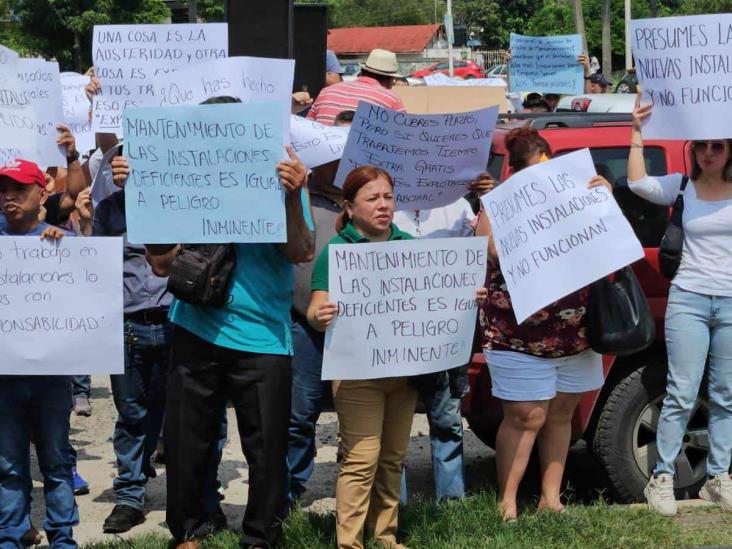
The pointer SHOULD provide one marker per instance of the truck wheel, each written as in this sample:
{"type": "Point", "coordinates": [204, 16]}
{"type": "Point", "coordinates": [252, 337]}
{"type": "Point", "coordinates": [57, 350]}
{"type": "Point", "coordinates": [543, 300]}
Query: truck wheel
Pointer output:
{"type": "Point", "coordinates": [625, 441]}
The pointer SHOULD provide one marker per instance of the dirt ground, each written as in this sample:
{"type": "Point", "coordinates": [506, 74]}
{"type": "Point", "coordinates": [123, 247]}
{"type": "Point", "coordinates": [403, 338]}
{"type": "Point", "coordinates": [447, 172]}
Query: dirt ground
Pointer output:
{"type": "Point", "coordinates": [92, 438]}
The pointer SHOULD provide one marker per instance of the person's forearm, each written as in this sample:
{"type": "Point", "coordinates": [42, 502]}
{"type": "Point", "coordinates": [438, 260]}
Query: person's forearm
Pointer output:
{"type": "Point", "coordinates": [636, 160]}
{"type": "Point", "coordinates": [85, 227]}
{"type": "Point", "coordinates": [300, 245]}
{"type": "Point", "coordinates": [75, 180]}
{"type": "Point", "coordinates": [160, 257]}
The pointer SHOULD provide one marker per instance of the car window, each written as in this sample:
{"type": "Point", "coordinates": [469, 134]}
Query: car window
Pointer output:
{"type": "Point", "coordinates": [441, 66]}
{"type": "Point", "coordinates": [460, 64]}
{"type": "Point", "coordinates": [495, 165]}
{"type": "Point", "coordinates": [648, 220]}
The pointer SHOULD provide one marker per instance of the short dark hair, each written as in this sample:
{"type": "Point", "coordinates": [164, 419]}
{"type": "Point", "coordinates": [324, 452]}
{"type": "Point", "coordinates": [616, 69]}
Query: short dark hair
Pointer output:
{"type": "Point", "coordinates": [219, 99]}
{"type": "Point", "coordinates": [382, 78]}
{"type": "Point", "coordinates": [523, 143]}
{"type": "Point", "coordinates": [344, 116]}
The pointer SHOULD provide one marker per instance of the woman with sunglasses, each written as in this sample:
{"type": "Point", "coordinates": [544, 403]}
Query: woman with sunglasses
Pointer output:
{"type": "Point", "coordinates": [698, 315]}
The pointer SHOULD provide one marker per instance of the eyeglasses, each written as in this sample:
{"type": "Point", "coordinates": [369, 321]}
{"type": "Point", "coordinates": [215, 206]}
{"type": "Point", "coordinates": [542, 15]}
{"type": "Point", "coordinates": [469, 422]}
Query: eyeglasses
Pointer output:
{"type": "Point", "coordinates": [717, 147]}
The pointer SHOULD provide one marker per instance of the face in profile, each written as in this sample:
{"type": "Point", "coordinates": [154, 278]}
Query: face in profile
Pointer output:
{"type": "Point", "coordinates": [372, 209]}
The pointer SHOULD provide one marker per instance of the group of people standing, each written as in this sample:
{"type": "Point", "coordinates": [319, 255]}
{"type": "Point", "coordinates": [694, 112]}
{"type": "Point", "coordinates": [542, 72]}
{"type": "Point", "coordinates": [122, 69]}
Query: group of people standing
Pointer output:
{"type": "Point", "coordinates": [262, 353]}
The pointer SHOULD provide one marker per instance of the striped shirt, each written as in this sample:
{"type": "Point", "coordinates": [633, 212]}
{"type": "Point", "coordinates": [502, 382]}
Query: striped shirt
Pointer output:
{"type": "Point", "coordinates": [345, 96]}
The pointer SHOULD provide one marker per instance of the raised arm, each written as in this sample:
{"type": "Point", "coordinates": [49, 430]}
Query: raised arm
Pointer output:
{"type": "Point", "coordinates": [484, 229]}
{"type": "Point", "coordinates": [300, 245]}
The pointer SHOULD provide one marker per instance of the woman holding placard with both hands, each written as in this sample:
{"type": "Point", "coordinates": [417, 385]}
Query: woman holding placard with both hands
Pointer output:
{"type": "Point", "coordinates": [699, 311]}
{"type": "Point", "coordinates": [540, 368]}
{"type": "Point", "coordinates": [375, 416]}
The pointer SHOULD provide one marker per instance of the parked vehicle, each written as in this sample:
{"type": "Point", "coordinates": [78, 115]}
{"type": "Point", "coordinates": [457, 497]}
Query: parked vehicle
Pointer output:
{"type": "Point", "coordinates": [461, 69]}
{"type": "Point", "coordinates": [629, 82]}
{"type": "Point", "coordinates": [497, 71]}
{"type": "Point", "coordinates": [619, 420]}
{"type": "Point", "coordinates": [597, 103]}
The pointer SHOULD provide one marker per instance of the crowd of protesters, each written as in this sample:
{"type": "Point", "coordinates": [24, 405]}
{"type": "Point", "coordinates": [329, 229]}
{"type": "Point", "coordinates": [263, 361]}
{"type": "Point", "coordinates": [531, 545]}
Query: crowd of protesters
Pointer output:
{"type": "Point", "coordinates": [262, 350]}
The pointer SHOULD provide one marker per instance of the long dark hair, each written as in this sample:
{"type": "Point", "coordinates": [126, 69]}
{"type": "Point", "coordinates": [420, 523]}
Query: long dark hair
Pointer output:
{"type": "Point", "coordinates": [523, 143]}
{"type": "Point", "coordinates": [356, 179]}
{"type": "Point", "coordinates": [696, 168]}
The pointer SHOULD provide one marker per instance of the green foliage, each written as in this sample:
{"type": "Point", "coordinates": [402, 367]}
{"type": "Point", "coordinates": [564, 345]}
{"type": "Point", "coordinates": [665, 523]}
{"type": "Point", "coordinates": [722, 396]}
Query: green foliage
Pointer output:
{"type": "Point", "coordinates": [48, 27]}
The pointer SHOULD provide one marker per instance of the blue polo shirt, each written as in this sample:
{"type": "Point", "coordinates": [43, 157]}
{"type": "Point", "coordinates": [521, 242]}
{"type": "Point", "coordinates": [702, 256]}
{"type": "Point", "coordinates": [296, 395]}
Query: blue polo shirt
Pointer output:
{"type": "Point", "coordinates": [257, 317]}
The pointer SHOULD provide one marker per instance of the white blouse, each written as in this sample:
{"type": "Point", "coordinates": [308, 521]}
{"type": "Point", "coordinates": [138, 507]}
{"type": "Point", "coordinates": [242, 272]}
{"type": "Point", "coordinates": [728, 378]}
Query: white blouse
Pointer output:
{"type": "Point", "coordinates": [706, 260]}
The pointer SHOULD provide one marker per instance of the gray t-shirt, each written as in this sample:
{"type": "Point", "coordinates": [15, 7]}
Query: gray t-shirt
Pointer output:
{"type": "Point", "coordinates": [325, 213]}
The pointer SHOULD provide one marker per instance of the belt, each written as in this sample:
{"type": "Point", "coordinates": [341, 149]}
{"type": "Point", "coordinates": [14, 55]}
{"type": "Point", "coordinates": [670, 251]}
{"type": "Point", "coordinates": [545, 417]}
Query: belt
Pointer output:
{"type": "Point", "coordinates": [149, 316]}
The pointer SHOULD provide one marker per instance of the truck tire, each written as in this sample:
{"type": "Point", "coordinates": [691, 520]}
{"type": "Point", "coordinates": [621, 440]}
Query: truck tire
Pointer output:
{"type": "Point", "coordinates": [625, 440]}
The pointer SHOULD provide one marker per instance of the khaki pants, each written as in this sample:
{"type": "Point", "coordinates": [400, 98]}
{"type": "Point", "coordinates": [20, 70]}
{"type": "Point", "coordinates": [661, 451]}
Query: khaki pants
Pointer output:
{"type": "Point", "coordinates": [375, 419]}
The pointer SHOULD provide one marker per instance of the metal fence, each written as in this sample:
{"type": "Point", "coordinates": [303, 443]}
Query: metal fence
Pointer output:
{"type": "Point", "coordinates": [488, 58]}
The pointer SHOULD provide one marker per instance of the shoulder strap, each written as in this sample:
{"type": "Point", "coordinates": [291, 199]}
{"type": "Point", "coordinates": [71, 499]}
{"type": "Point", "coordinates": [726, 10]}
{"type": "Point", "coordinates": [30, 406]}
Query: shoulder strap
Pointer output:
{"type": "Point", "coordinates": [678, 210]}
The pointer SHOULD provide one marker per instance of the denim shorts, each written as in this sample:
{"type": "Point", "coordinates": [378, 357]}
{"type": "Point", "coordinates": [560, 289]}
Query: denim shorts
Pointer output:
{"type": "Point", "coordinates": [522, 377]}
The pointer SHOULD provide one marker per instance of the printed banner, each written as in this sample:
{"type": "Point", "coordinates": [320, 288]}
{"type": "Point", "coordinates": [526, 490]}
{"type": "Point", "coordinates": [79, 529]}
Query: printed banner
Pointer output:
{"type": "Point", "coordinates": [546, 64]}
{"type": "Point", "coordinates": [431, 157]}
{"type": "Point", "coordinates": [204, 174]}
{"type": "Point", "coordinates": [684, 67]}
{"type": "Point", "coordinates": [554, 235]}
{"type": "Point", "coordinates": [61, 306]}
{"type": "Point", "coordinates": [404, 307]}
{"type": "Point", "coordinates": [130, 59]}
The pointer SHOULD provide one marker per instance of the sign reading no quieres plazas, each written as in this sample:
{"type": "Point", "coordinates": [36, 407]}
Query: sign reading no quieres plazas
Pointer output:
{"type": "Point", "coordinates": [546, 64]}
{"type": "Point", "coordinates": [684, 67]}
{"type": "Point", "coordinates": [61, 306]}
{"type": "Point", "coordinates": [432, 158]}
{"type": "Point", "coordinates": [404, 307]}
{"type": "Point", "coordinates": [554, 235]}
{"type": "Point", "coordinates": [129, 58]}
{"type": "Point", "coordinates": [205, 174]}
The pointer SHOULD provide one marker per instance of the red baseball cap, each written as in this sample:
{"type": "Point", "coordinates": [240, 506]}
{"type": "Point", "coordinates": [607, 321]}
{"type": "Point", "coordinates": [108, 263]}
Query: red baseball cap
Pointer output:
{"type": "Point", "coordinates": [24, 172]}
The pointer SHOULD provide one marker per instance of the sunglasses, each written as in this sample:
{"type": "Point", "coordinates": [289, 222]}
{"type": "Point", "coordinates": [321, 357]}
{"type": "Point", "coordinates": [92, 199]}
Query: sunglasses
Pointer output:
{"type": "Point", "coordinates": [702, 146]}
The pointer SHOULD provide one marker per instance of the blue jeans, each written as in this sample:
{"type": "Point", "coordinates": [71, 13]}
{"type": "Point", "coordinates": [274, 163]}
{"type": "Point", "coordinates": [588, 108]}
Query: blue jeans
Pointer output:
{"type": "Point", "coordinates": [81, 386]}
{"type": "Point", "coordinates": [38, 404]}
{"type": "Point", "coordinates": [139, 396]}
{"type": "Point", "coordinates": [307, 396]}
{"type": "Point", "coordinates": [446, 441]}
{"type": "Point", "coordinates": [697, 327]}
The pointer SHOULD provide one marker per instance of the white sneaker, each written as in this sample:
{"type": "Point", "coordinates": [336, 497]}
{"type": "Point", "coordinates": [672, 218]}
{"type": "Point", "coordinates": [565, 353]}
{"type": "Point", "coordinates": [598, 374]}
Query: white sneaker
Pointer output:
{"type": "Point", "coordinates": [660, 495]}
{"type": "Point", "coordinates": [718, 490]}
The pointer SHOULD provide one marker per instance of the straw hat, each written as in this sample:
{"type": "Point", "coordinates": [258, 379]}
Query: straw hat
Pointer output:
{"type": "Point", "coordinates": [382, 62]}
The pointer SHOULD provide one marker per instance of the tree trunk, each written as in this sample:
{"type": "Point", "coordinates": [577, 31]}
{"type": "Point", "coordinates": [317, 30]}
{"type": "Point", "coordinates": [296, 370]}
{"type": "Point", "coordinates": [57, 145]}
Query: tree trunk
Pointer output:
{"type": "Point", "coordinates": [607, 50]}
{"type": "Point", "coordinates": [192, 11]}
{"type": "Point", "coordinates": [654, 8]}
{"type": "Point", "coordinates": [579, 23]}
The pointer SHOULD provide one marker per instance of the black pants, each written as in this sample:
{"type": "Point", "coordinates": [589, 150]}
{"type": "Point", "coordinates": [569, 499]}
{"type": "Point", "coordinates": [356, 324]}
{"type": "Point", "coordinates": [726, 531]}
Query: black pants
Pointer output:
{"type": "Point", "coordinates": [202, 378]}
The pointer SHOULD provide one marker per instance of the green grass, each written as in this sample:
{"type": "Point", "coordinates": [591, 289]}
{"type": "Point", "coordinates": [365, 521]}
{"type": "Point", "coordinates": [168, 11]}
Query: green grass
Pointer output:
{"type": "Point", "coordinates": [475, 523]}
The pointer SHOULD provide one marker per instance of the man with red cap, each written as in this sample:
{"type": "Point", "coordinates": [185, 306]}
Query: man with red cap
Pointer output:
{"type": "Point", "coordinates": [37, 404]}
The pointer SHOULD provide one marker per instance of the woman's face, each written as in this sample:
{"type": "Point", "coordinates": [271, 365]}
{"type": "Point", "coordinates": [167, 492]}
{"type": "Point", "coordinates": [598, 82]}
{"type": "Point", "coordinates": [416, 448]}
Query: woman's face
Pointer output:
{"type": "Point", "coordinates": [712, 156]}
{"type": "Point", "coordinates": [372, 209]}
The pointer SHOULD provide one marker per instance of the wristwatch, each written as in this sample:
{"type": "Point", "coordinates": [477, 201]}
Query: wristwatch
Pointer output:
{"type": "Point", "coordinates": [73, 157]}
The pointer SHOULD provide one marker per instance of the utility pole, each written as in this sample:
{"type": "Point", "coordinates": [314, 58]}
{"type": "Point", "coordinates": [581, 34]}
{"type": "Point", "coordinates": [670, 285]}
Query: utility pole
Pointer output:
{"type": "Point", "coordinates": [450, 38]}
{"type": "Point", "coordinates": [628, 50]}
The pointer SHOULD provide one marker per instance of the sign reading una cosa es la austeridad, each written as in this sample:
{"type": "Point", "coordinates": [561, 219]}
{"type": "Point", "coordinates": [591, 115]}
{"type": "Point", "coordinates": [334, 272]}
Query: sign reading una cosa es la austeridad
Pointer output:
{"type": "Point", "coordinates": [432, 158]}
{"type": "Point", "coordinates": [61, 306]}
{"type": "Point", "coordinates": [404, 307]}
{"type": "Point", "coordinates": [684, 67]}
{"type": "Point", "coordinates": [555, 236]}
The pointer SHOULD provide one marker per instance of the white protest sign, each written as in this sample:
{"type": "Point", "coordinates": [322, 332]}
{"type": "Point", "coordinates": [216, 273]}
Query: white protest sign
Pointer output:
{"type": "Point", "coordinates": [684, 67]}
{"type": "Point", "coordinates": [315, 143]}
{"type": "Point", "coordinates": [40, 87]}
{"type": "Point", "coordinates": [440, 79]}
{"type": "Point", "coordinates": [431, 157]}
{"type": "Point", "coordinates": [76, 110]}
{"type": "Point", "coordinates": [129, 60]}
{"type": "Point", "coordinates": [18, 132]}
{"type": "Point", "coordinates": [61, 306]}
{"type": "Point", "coordinates": [103, 181]}
{"type": "Point", "coordinates": [554, 235]}
{"type": "Point", "coordinates": [404, 307]}
{"type": "Point", "coordinates": [250, 79]}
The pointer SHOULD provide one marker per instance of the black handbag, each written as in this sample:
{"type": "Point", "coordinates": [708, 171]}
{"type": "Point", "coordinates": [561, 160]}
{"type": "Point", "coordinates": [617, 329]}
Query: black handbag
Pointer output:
{"type": "Point", "coordinates": [619, 320]}
{"type": "Point", "coordinates": [201, 274]}
{"type": "Point", "coordinates": [672, 243]}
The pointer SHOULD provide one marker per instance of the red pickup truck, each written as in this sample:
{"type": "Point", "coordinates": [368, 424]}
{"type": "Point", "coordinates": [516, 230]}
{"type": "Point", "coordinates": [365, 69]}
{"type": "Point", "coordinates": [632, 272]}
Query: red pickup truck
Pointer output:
{"type": "Point", "coordinates": [618, 421]}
